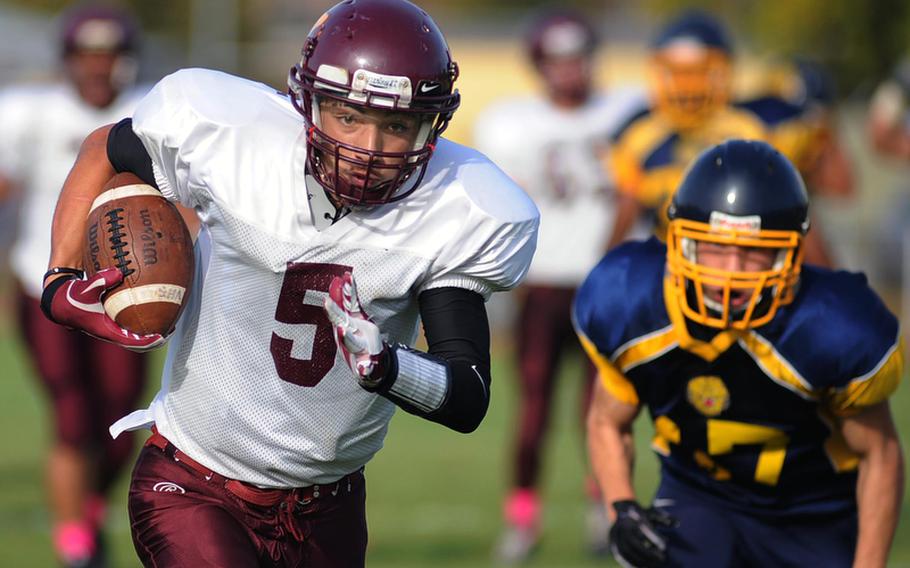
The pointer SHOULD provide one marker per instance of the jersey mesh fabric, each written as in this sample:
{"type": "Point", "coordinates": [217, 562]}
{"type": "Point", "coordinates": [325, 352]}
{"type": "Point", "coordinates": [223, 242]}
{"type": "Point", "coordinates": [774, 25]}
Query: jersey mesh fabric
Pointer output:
{"type": "Point", "coordinates": [254, 387]}
{"type": "Point", "coordinates": [226, 405]}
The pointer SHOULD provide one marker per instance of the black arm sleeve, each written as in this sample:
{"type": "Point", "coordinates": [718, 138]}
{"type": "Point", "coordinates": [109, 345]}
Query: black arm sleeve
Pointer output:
{"type": "Point", "coordinates": [127, 154]}
{"type": "Point", "coordinates": [458, 336]}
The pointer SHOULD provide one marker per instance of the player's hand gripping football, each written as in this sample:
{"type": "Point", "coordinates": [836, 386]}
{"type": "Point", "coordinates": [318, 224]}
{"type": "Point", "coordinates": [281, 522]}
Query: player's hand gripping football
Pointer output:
{"type": "Point", "coordinates": [358, 338]}
{"type": "Point", "coordinates": [76, 303]}
{"type": "Point", "coordinates": [634, 540]}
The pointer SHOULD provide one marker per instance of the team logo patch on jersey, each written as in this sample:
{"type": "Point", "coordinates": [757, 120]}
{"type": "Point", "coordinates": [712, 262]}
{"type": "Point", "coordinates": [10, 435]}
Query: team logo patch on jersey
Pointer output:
{"type": "Point", "coordinates": [168, 487]}
{"type": "Point", "coordinates": [708, 394]}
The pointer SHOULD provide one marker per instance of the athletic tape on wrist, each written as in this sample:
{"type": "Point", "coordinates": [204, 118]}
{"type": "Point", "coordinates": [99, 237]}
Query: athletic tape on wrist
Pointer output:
{"type": "Point", "coordinates": [421, 381]}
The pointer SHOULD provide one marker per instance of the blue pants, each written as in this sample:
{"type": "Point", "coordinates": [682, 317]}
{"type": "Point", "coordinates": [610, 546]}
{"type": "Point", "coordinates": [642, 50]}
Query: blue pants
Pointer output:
{"type": "Point", "coordinates": [711, 535]}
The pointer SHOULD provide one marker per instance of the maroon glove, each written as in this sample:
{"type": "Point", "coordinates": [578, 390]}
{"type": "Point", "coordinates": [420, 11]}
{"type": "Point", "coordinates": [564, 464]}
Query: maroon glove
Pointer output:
{"type": "Point", "coordinates": [76, 303]}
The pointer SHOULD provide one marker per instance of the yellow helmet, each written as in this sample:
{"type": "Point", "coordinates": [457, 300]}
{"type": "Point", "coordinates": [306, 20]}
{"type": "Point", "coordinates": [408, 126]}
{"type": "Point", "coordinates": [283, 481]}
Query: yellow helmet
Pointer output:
{"type": "Point", "coordinates": [690, 70]}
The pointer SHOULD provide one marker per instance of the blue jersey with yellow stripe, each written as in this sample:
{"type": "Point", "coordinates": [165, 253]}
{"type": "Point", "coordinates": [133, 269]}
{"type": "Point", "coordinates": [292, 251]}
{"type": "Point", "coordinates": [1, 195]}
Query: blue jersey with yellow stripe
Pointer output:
{"type": "Point", "coordinates": [794, 130]}
{"type": "Point", "coordinates": [648, 155]}
{"type": "Point", "coordinates": [751, 417]}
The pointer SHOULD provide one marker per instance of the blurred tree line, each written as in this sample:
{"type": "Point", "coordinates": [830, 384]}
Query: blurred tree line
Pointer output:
{"type": "Point", "coordinates": [170, 18]}
{"type": "Point", "coordinates": [858, 41]}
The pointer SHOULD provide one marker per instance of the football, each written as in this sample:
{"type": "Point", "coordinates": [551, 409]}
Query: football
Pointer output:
{"type": "Point", "coordinates": [131, 226]}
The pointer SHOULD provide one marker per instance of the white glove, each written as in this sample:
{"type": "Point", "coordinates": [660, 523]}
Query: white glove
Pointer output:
{"type": "Point", "coordinates": [358, 338]}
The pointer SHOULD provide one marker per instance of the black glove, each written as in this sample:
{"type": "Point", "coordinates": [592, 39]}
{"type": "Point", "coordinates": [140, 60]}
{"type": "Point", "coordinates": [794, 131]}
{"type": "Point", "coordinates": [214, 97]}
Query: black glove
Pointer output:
{"type": "Point", "coordinates": [634, 541]}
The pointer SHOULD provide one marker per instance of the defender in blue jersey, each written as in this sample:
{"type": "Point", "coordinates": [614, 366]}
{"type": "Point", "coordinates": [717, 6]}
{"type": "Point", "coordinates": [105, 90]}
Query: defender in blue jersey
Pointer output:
{"type": "Point", "coordinates": [767, 381]}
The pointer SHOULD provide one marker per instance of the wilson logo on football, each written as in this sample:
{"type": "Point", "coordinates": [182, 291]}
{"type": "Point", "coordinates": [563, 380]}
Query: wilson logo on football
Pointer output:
{"type": "Point", "coordinates": [167, 487]}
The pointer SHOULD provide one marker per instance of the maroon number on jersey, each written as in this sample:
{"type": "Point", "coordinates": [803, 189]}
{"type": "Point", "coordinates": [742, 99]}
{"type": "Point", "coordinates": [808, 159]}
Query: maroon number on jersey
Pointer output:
{"type": "Point", "coordinates": [291, 309]}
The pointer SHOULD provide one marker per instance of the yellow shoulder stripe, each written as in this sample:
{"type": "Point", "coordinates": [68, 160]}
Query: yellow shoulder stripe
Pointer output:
{"type": "Point", "coordinates": [658, 185]}
{"type": "Point", "coordinates": [794, 139]}
{"type": "Point", "coordinates": [644, 348]}
{"type": "Point", "coordinates": [626, 171]}
{"type": "Point", "coordinates": [873, 387]}
{"type": "Point", "coordinates": [775, 366]}
{"type": "Point", "coordinates": [733, 122]}
{"type": "Point", "coordinates": [611, 378]}
{"type": "Point", "coordinates": [631, 150]}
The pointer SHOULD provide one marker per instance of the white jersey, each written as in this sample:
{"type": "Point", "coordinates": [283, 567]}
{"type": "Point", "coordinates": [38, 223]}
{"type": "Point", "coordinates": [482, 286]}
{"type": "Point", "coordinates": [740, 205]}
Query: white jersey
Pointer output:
{"type": "Point", "coordinates": [41, 130]}
{"type": "Point", "coordinates": [253, 387]}
{"type": "Point", "coordinates": [559, 158]}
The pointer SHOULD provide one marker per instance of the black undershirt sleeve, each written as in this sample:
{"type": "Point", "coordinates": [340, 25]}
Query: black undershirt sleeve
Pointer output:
{"type": "Point", "coordinates": [458, 335]}
{"type": "Point", "coordinates": [127, 154]}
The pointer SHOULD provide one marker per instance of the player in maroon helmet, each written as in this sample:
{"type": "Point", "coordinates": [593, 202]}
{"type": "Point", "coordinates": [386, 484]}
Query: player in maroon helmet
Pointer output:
{"type": "Point", "coordinates": [336, 221]}
{"type": "Point", "coordinates": [425, 97]}
{"type": "Point", "coordinates": [553, 145]}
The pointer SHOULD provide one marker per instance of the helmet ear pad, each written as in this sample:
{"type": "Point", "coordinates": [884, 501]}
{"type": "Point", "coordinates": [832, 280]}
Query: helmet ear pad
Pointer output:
{"type": "Point", "coordinates": [374, 67]}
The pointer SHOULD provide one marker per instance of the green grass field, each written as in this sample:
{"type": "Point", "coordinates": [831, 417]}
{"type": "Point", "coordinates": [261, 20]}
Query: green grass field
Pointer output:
{"type": "Point", "coordinates": [434, 496]}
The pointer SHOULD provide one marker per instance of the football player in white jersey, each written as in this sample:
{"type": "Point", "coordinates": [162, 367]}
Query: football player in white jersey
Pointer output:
{"type": "Point", "coordinates": [334, 220]}
{"type": "Point", "coordinates": [888, 120]}
{"type": "Point", "coordinates": [88, 382]}
{"type": "Point", "coordinates": [553, 144]}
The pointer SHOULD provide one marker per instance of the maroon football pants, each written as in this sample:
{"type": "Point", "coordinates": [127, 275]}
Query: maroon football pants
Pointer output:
{"type": "Point", "coordinates": [181, 518]}
{"type": "Point", "coordinates": [545, 336]}
{"type": "Point", "coordinates": [90, 384]}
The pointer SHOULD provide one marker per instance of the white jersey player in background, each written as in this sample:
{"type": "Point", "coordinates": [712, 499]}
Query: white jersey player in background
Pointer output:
{"type": "Point", "coordinates": [283, 374]}
{"type": "Point", "coordinates": [88, 382]}
{"type": "Point", "coordinates": [553, 144]}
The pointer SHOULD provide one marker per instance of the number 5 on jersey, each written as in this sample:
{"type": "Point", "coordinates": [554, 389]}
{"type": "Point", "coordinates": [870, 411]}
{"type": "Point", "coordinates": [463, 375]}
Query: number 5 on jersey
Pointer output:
{"type": "Point", "coordinates": [296, 308]}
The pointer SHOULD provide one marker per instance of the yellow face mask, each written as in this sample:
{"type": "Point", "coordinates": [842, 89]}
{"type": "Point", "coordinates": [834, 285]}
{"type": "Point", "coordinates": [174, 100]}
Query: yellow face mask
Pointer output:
{"type": "Point", "coordinates": [706, 295]}
{"type": "Point", "coordinates": [690, 83]}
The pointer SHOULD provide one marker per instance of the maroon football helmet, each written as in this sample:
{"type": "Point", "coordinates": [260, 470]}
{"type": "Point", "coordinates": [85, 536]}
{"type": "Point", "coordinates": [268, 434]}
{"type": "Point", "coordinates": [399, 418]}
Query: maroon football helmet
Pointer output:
{"type": "Point", "coordinates": [377, 54]}
{"type": "Point", "coordinates": [560, 33]}
{"type": "Point", "coordinates": [98, 27]}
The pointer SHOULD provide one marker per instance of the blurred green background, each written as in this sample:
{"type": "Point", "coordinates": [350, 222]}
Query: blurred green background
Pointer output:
{"type": "Point", "coordinates": [434, 497]}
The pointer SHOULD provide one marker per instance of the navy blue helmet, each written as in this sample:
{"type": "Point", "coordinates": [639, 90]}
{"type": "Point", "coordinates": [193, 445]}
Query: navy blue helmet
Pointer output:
{"type": "Point", "coordinates": [697, 26]}
{"type": "Point", "coordinates": [746, 194]}
{"type": "Point", "coordinates": [743, 178]}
